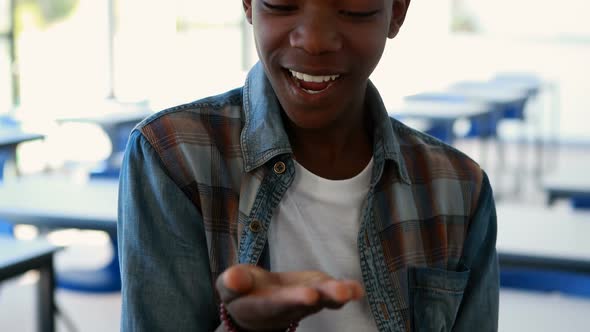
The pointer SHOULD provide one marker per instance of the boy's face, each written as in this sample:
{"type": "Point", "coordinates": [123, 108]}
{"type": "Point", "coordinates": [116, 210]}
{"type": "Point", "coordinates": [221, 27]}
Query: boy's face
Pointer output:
{"type": "Point", "coordinates": [319, 54]}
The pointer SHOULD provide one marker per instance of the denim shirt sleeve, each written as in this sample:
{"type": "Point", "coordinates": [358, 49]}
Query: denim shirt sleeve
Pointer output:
{"type": "Point", "coordinates": [478, 310]}
{"type": "Point", "coordinates": [166, 285]}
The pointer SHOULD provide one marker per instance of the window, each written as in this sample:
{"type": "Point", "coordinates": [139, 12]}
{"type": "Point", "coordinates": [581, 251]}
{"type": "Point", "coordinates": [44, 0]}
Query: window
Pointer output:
{"type": "Point", "coordinates": [5, 68]}
{"type": "Point", "coordinates": [6, 89]}
{"type": "Point", "coordinates": [5, 17]}
{"type": "Point", "coordinates": [77, 52]}
{"type": "Point", "coordinates": [177, 51]}
{"type": "Point", "coordinates": [61, 49]}
{"type": "Point", "coordinates": [565, 19]}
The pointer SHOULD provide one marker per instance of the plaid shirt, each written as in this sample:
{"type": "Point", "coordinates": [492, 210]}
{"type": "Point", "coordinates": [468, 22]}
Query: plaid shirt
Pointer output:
{"type": "Point", "coordinates": [199, 185]}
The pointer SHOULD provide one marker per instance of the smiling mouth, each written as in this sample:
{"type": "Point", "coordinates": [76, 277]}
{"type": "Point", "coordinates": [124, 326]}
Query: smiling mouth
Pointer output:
{"type": "Point", "coordinates": [313, 84]}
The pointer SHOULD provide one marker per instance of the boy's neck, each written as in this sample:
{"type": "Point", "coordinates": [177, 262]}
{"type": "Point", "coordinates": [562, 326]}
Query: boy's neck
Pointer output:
{"type": "Point", "coordinates": [337, 153]}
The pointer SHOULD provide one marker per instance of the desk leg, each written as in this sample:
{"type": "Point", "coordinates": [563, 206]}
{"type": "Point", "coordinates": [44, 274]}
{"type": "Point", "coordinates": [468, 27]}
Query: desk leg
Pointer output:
{"type": "Point", "coordinates": [46, 300]}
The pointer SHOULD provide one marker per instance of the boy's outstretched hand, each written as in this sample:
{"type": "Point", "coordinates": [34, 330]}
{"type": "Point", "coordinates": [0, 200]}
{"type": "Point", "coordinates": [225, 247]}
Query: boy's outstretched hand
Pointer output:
{"type": "Point", "coordinates": [260, 300]}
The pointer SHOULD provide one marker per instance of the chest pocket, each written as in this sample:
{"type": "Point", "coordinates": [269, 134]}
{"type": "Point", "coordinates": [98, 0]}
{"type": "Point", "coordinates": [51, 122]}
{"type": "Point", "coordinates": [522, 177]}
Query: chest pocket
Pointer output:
{"type": "Point", "coordinates": [435, 296]}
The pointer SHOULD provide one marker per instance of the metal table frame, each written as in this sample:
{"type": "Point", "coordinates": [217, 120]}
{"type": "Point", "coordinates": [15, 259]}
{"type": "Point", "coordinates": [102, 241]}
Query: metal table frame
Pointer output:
{"type": "Point", "coordinates": [20, 257]}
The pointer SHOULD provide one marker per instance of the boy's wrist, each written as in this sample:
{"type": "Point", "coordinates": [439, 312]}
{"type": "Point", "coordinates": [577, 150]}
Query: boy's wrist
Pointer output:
{"type": "Point", "coordinates": [230, 325]}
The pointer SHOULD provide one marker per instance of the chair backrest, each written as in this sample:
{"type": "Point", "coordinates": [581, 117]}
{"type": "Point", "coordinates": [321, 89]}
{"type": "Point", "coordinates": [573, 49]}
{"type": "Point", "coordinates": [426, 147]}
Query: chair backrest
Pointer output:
{"type": "Point", "coordinates": [6, 229]}
{"type": "Point", "coordinates": [546, 281]}
{"type": "Point", "coordinates": [581, 201]}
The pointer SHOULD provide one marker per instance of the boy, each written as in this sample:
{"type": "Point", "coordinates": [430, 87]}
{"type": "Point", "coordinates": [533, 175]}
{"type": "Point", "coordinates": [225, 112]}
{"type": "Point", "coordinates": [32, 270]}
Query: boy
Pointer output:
{"type": "Point", "coordinates": [296, 200]}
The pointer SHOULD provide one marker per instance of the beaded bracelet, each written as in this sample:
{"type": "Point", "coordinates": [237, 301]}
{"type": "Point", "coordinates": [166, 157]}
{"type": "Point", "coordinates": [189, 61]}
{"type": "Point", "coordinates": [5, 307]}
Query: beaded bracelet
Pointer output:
{"type": "Point", "coordinates": [230, 326]}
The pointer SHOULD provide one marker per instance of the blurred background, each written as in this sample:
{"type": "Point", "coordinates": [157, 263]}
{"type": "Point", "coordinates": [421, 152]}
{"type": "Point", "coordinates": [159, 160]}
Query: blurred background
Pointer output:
{"type": "Point", "coordinates": [507, 82]}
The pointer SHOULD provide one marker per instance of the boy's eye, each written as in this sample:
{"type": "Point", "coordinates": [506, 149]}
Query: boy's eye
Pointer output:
{"type": "Point", "coordinates": [354, 14]}
{"type": "Point", "coordinates": [281, 8]}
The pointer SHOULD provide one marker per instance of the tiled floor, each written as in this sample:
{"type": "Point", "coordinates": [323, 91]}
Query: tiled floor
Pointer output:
{"type": "Point", "coordinates": [519, 311]}
{"type": "Point", "coordinates": [528, 311]}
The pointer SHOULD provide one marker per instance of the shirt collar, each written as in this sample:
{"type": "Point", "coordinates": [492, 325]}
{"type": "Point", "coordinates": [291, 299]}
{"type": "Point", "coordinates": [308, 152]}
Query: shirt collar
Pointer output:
{"type": "Point", "coordinates": [385, 139]}
{"type": "Point", "coordinates": [264, 137]}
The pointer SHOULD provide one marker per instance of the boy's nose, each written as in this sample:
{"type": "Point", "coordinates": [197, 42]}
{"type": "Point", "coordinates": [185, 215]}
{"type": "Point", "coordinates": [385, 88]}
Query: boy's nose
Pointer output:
{"type": "Point", "coordinates": [316, 35]}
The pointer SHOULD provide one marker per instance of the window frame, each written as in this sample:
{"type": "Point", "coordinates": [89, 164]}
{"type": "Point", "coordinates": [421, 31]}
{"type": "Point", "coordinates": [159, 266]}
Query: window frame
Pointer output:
{"type": "Point", "coordinates": [9, 37]}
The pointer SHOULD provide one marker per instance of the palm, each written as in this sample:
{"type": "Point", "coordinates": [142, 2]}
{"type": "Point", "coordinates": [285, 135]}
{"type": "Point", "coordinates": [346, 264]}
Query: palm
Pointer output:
{"type": "Point", "coordinates": [261, 300]}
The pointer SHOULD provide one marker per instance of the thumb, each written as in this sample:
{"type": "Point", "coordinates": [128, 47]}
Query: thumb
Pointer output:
{"type": "Point", "coordinates": [235, 282]}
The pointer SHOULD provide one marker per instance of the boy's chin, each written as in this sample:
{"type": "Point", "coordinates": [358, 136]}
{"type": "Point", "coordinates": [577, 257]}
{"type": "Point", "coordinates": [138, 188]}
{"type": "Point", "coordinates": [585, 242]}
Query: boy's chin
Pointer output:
{"type": "Point", "coordinates": [310, 119]}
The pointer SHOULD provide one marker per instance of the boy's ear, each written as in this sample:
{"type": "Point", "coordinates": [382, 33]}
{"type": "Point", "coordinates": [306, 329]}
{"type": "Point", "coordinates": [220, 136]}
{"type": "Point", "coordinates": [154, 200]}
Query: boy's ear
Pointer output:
{"type": "Point", "coordinates": [398, 15]}
{"type": "Point", "coordinates": [248, 9]}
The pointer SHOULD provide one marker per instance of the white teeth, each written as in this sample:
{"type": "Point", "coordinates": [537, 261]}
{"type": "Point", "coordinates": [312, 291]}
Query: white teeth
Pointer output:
{"type": "Point", "coordinates": [317, 79]}
{"type": "Point", "coordinates": [311, 78]}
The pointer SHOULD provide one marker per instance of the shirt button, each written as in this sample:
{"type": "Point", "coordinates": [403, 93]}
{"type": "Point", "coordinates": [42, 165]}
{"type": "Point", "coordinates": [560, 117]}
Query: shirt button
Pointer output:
{"type": "Point", "coordinates": [255, 226]}
{"type": "Point", "coordinates": [280, 167]}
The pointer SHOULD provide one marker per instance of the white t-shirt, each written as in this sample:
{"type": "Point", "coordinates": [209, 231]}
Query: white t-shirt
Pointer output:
{"type": "Point", "coordinates": [316, 227]}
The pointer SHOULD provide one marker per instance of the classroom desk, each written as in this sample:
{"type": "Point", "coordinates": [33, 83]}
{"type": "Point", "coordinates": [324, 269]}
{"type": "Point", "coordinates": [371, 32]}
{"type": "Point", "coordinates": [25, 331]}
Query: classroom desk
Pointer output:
{"type": "Point", "coordinates": [530, 83]}
{"type": "Point", "coordinates": [510, 98]}
{"type": "Point", "coordinates": [537, 237]}
{"type": "Point", "coordinates": [544, 249]}
{"type": "Point", "coordinates": [441, 115]}
{"type": "Point", "coordinates": [509, 102]}
{"type": "Point", "coordinates": [10, 137]}
{"type": "Point", "coordinates": [18, 257]}
{"type": "Point", "coordinates": [570, 183]}
{"type": "Point", "coordinates": [481, 126]}
{"type": "Point", "coordinates": [60, 203]}
{"type": "Point", "coordinates": [117, 124]}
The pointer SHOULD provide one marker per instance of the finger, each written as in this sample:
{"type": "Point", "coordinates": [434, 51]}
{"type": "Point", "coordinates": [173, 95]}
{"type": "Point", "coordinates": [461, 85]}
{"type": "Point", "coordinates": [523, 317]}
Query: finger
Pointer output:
{"type": "Point", "coordinates": [336, 293]}
{"type": "Point", "coordinates": [234, 282]}
{"type": "Point", "coordinates": [357, 289]}
{"type": "Point", "coordinates": [298, 278]}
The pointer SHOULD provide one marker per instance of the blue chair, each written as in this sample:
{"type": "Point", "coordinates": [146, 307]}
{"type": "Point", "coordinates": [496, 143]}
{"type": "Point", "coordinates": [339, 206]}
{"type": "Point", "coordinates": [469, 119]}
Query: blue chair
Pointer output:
{"type": "Point", "coordinates": [118, 134]}
{"type": "Point", "coordinates": [533, 85]}
{"type": "Point", "coordinates": [546, 281]}
{"type": "Point", "coordinates": [106, 279]}
{"type": "Point", "coordinates": [581, 201]}
{"type": "Point", "coordinates": [527, 82]}
{"type": "Point", "coordinates": [510, 98]}
{"type": "Point", "coordinates": [481, 127]}
{"type": "Point", "coordinates": [6, 229]}
{"type": "Point", "coordinates": [442, 131]}
{"type": "Point", "coordinates": [105, 171]}
{"type": "Point", "coordinates": [439, 128]}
